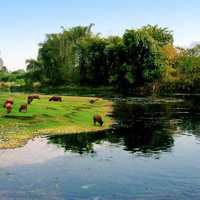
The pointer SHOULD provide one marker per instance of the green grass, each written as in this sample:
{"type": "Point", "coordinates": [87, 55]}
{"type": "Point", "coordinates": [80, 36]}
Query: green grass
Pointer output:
{"type": "Point", "coordinates": [73, 115]}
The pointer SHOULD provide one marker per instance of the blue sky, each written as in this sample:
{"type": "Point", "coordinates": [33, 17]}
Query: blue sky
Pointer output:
{"type": "Point", "coordinates": [24, 23]}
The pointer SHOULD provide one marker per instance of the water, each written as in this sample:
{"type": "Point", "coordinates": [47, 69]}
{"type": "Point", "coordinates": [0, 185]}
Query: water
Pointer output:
{"type": "Point", "coordinates": [152, 152]}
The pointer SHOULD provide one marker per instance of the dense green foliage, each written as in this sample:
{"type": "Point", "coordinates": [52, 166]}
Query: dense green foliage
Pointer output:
{"type": "Point", "coordinates": [143, 59]}
{"type": "Point", "coordinates": [7, 79]}
{"type": "Point", "coordinates": [80, 57]}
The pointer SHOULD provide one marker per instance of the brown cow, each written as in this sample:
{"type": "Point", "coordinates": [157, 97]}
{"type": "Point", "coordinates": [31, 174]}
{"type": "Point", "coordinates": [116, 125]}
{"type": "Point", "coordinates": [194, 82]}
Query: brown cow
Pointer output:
{"type": "Point", "coordinates": [10, 100]}
{"type": "Point", "coordinates": [23, 108]}
{"type": "Point", "coordinates": [29, 100]}
{"type": "Point", "coordinates": [31, 97]}
{"type": "Point", "coordinates": [98, 119]}
{"type": "Point", "coordinates": [55, 98]}
{"type": "Point", "coordinates": [9, 107]}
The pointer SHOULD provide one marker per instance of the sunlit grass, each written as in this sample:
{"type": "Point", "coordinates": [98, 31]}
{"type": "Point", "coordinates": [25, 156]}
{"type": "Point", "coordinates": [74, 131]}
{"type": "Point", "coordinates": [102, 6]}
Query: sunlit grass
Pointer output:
{"type": "Point", "coordinates": [73, 115]}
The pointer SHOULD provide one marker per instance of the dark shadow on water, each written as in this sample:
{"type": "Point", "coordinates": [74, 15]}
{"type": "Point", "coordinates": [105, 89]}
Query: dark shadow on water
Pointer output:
{"type": "Point", "coordinates": [77, 143]}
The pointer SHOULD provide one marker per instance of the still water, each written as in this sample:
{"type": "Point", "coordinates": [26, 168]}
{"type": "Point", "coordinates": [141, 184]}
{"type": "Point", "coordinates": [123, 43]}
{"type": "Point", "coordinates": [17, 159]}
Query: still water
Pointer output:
{"type": "Point", "coordinates": [152, 152]}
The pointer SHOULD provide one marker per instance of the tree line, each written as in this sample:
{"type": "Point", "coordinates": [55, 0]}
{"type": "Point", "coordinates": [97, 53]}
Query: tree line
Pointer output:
{"type": "Point", "coordinates": [143, 57]}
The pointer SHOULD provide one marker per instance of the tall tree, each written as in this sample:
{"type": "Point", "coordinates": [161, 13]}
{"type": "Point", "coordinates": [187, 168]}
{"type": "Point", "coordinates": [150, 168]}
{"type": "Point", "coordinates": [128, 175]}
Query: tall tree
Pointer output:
{"type": "Point", "coordinates": [144, 56]}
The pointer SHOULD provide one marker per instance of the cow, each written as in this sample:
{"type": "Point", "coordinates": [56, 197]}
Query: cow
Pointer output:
{"type": "Point", "coordinates": [55, 98]}
{"type": "Point", "coordinates": [29, 100]}
{"type": "Point", "coordinates": [93, 100]}
{"type": "Point", "coordinates": [9, 107]}
{"type": "Point", "coordinates": [23, 108]}
{"type": "Point", "coordinates": [10, 101]}
{"type": "Point", "coordinates": [98, 119]}
{"type": "Point", "coordinates": [31, 97]}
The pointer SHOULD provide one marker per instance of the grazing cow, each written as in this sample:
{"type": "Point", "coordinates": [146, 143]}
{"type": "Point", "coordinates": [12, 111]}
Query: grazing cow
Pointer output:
{"type": "Point", "coordinates": [9, 107]}
{"type": "Point", "coordinates": [31, 97]}
{"type": "Point", "coordinates": [98, 119]}
{"type": "Point", "coordinates": [10, 100]}
{"type": "Point", "coordinates": [93, 100]}
{"type": "Point", "coordinates": [29, 100]}
{"type": "Point", "coordinates": [55, 98]}
{"type": "Point", "coordinates": [23, 108]}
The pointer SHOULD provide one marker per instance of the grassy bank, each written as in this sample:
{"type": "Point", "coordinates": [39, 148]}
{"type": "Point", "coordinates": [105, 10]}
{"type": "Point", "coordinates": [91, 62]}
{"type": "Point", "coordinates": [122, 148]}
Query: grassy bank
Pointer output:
{"type": "Point", "coordinates": [73, 115]}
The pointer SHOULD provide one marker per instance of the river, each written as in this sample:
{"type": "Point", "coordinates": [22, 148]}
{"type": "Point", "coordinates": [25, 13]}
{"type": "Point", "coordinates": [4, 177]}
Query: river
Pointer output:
{"type": "Point", "coordinates": [152, 152]}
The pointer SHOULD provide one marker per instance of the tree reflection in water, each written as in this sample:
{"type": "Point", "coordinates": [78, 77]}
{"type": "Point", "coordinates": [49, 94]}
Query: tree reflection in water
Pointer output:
{"type": "Point", "coordinates": [78, 143]}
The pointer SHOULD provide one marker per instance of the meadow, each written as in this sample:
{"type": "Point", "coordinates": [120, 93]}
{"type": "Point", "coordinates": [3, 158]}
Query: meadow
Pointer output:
{"type": "Point", "coordinates": [73, 115]}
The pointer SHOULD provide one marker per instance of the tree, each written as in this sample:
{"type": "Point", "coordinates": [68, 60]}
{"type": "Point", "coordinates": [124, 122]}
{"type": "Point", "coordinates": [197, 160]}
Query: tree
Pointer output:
{"type": "Point", "coordinates": [162, 35]}
{"type": "Point", "coordinates": [145, 60]}
{"type": "Point", "coordinates": [92, 63]}
{"type": "Point", "coordinates": [116, 56]}
{"type": "Point", "coordinates": [59, 55]}
{"type": "Point", "coordinates": [170, 54]}
{"type": "Point", "coordinates": [188, 64]}
{"type": "Point", "coordinates": [34, 71]}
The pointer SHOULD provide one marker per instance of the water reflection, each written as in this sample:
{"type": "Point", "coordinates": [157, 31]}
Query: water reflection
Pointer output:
{"type": "Point", "coordinates": [143, 127]}
{"type": "Point", "coordinates": [78, 143]}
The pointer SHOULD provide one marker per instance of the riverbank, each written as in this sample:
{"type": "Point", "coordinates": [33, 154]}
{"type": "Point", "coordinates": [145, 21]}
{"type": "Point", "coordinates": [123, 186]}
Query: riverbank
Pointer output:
{"type": "Point", "coordinates": [151, 89]}
{"type": "Point", "coordinates": [73, 115]}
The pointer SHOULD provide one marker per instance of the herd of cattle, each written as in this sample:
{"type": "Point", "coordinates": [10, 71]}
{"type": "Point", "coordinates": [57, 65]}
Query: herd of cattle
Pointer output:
{"type": "Point", "coordinates": [8, 105]}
